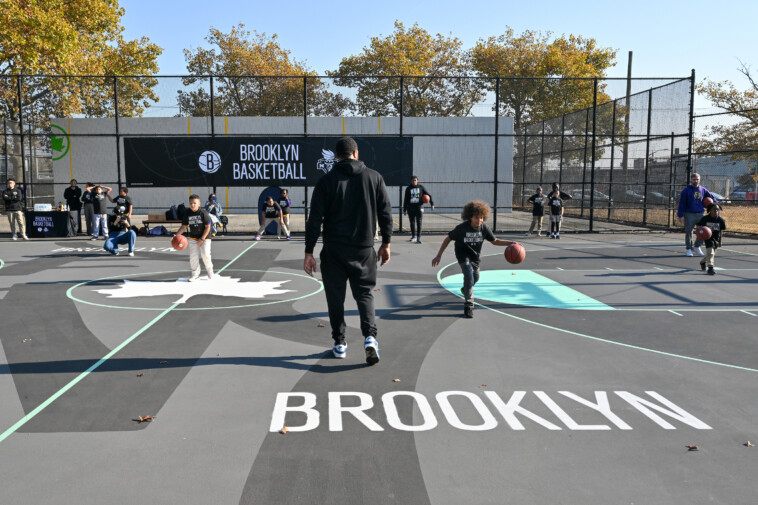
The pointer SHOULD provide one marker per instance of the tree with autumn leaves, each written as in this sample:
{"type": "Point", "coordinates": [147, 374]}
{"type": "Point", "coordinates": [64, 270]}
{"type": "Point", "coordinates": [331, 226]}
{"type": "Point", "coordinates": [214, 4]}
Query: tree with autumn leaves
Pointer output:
{"type": "Point", "coordinates": [253, 76]}
{"type": "Point", "coordinates": [47, 40]}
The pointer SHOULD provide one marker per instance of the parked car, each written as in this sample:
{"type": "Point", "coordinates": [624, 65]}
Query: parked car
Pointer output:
{"type": "Point", "coordinates": [576, 194]}
{"type": "Point", "coordinates": [722, 200]}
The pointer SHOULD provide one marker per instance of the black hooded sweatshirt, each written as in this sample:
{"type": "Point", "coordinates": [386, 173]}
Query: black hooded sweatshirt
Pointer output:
{"type": "Point", "coordinates": [348, 201]}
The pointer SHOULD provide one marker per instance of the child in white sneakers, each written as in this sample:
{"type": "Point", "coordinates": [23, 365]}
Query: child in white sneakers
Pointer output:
{"type": "Point", "coordinates": [198, 221]}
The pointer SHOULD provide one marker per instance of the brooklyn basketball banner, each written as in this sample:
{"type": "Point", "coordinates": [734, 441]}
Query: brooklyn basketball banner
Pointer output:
{"type": "Point", "coordinates": [255, 161]}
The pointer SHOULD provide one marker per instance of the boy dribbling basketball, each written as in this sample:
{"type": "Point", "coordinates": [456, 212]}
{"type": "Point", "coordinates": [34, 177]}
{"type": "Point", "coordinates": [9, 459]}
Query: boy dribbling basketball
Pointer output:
{"type": "Point", "coordinates": [468, 237]}
{"type": "Point", "coordinates": [717, 225]}
{"type": "Point", "coordinates": [199, 223]}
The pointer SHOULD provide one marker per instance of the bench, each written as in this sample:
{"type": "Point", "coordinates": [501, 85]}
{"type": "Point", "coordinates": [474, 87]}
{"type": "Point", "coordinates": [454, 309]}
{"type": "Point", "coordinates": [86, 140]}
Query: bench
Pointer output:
{"type": "Point", "coordinates": [147, 222]}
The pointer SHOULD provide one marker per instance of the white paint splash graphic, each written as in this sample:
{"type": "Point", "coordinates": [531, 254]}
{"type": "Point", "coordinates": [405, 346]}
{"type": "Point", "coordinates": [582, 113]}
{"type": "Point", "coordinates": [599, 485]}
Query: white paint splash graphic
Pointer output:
{"type": "Point", "coordinates": [218, 286]}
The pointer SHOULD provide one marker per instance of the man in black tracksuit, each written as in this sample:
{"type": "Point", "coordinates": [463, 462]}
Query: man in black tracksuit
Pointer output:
{"type": "Point", "coordinates": [412, 205]}
{"type": "Point", "coordinates": [347, 201]}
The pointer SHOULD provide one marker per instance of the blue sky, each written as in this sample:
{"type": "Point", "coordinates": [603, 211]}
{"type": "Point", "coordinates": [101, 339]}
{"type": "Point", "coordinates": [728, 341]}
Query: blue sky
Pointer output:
{"type": "Point", "coordinates": [668, 37]}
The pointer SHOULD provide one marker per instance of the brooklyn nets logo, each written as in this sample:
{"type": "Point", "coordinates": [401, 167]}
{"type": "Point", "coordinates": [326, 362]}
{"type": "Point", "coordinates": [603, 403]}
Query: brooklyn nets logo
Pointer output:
{"type": "Point", "coordinates": [326, 163]}
{"type": "Point", "coordinates": [210, 162]}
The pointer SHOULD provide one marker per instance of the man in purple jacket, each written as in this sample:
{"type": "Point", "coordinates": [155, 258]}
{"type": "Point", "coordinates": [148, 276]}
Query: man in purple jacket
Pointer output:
{"type": "Point", "coordinates": [691, 211]}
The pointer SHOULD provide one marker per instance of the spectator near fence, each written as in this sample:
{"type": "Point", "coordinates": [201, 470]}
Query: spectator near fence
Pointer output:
{"type": "Point", "coordinates": [14, 206]}
{"type": "Point", "coordinates": [73, 197]}
{"type": "Point", "coordinates": [691, 211]}
{"type": "Point", "coordinates": [89, 207]}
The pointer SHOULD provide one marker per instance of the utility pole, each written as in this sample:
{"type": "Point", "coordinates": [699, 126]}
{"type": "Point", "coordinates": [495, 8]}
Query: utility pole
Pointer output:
{"type": "Point", "coordinates": [625, 154]}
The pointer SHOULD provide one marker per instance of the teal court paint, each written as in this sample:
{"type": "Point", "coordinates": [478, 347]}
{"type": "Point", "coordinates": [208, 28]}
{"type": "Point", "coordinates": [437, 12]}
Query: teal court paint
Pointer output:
{"type": "Point", "coordinates": [526, 288]}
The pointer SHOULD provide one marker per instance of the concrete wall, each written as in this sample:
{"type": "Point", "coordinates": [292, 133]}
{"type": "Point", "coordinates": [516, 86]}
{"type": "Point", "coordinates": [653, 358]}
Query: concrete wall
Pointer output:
{"type": "Point", "coordinates": [92, 155]}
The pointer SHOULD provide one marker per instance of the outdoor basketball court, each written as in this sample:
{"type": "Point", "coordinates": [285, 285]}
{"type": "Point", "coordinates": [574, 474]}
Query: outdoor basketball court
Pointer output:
{"type": "Point", "coordinates": [584, 376]}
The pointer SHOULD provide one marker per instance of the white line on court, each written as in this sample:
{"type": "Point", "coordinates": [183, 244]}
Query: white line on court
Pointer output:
{"type": "Point", "coordinates": [102, 360]}
{"type": "Point", "coordinates": [749, 313]}
{"type": "Point", "coordinates": [676, 313]}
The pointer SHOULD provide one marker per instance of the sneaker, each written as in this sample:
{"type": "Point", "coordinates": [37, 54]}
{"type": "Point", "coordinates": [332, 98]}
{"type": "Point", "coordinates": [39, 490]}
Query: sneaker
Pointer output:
{"type": "Point", "coordinates": [289, 238]}
{"type": "Point", "coordinates": [711, 271]}
{"type": "Point", "coordinates": [372, 350]}
{"type": "Point", "coordinates": [702, 266]}
{"type": "Point", "coordinates": [539, 233]}
{"type": "Point", "coordinates": [527, 234]}
{"type": "Point", "coordinates": [131, 254]}
{"type": "Point", "coordinates": [558, 235]}
{"type": "Point", "coordinates": [468, 312]}
{"type": "Point", "coordinates": [115, 253]}
{"type": "Point", "coordinates": [552, 235]}
{"type": "Point", "coordinates": [418, 241]}
{"type": "Point", "coordinates": [688, 253]}
{"type": "Point", "coordinates": [26, 238]}
{"type": "Point", "coordinates": [211, 276]}
{"type": "Point", "coordinates": [257, 237]}
{"type": "Point", "coordinates": [412, 239]}
{"type": "Point", "coordinates": [14, 237]}
{"type": "Point", "coordinates": [340, 351]}
{"type": "Point", "coordinates": [699, 251]}
{"type": "Point", "coordinates": [193, 278]}
{"type": "Point", "coordinates": [93, 238]}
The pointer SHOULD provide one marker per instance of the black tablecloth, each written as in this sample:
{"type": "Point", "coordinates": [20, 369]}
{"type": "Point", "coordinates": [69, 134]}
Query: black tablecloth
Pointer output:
{"type": "Point", "coordinates": [46, 224]}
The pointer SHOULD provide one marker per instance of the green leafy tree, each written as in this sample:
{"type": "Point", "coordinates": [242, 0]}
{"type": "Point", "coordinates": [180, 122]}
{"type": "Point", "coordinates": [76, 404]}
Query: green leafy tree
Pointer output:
{"type": "Point", "coordinates": [410, 52]}
{"type": "Point", "coordinates": [60, 38]}
{"type": "Point", "coordinates": [253, 76]}
{"type": "Point", "coordinates": [740, 137]}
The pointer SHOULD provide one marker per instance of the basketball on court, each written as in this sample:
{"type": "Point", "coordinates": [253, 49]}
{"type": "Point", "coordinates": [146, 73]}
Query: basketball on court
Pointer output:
{"type": "Point", "coordinates": [179, 242]}
{"type": "Point", "coordinates": [703, 232]}
{"type": "Point", "coordinates": [515, 253]}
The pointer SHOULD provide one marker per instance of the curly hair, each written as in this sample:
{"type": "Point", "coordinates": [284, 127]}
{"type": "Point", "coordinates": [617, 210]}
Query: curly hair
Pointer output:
{"type": "Point", "coordinates": [475, 208]}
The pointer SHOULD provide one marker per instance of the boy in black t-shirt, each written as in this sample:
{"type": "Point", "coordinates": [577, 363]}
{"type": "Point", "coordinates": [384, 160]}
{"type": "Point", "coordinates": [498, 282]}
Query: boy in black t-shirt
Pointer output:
{"type": "Point", "coordinates": [555, 199]}
{"type": "Point", "coordinates": [123, 203]}
{"type": "Point", "coordinates": [99, 195]}
{"type": "Point", "coordinates": [717, 225]}
{"type": "Point", "coordinates": [271, 213]}
{"type": "Point", "coordinates": [413, 206]}
{"type": "Point", "coordinates": [468, 237]}
{"type": "Point", "coordinates": [538, 211]}
{"type": "Point", "coordinates": [199, 244]}
{"type": "Point", "coordinates": [284, 203]}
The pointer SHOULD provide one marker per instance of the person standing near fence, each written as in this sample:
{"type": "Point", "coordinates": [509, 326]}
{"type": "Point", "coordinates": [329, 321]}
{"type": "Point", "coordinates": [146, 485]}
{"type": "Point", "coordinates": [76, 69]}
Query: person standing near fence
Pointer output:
{"type": "Point", "coordinates": [14, 207]}
{"type": "Point", "coordinates": [413, 207]}
{"type": "Point", "coordinates": [99, 199]}
{"type": "Point", "coordinates": [347, 202]}
{"type": "Point", "coordinates": [73, 195]}
{"type": "Point", "coordinates": [89, 207]}
{"type": "Point", "coordinates": [538, 211]}
{"type": "Point", "coordinates": [691, 210]}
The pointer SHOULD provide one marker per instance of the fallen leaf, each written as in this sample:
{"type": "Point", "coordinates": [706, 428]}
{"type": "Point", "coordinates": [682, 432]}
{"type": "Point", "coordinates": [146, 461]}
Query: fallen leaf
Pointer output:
{"type": "Point", "coordinates": [483, 385]}
{"type": "Point", "coordinates": [692, 448]}
{"type": "Point", "coordinates": [284, 430]}
{"type": "Point", "coordinates": [145, 419]}
{"type": "Point", "coordinates": [141, 374]}
{"type": "Point", "coordinates": [395, 380]}
{"type": "Point", "coordinates": [321, 325]}
{"type": "Point", "coordinates": [377, 289]}
{"type": "Point", "coordinates": [163, 362]}
{"type": "Point", "coordinates": [749, 444]}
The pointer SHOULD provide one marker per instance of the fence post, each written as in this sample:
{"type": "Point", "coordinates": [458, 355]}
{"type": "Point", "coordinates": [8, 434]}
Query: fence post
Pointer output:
{"type": "Point", "coordinates": [401, 105]}
{"type": "Point", "coordinates": [613, 151]}
{"type": "Point", "coordinates": [670, 206]}
{"type": "Point", "coordinates": [691, 124]}
{"type": "Point", "coordinates": [584, 157]}
{"type": "Point", "coordinates": [5, 143]}
{"type": "Point", "coordinates": [305, 105]}
{"type": "Point", "coordinates": [647, 153]}
{"type": "Point", "coordinates": [560, 162]}
{"type": "Point", "coordinates": [400, 205]}
{"type": "Point", "coordinates": [213, 125]}
{"type": "Point", "coordinates": [118, 143]}
{"type": "Point", "coordinates": [21, 132]}
{"type": "Point", "coordinates": [523, 169]}
{"type": "Point", "coordinates": [542, 151]}
{"type": "Point", "coordinates": [592, 166]}
{"type": "Point", "coordinates": [497, 133]}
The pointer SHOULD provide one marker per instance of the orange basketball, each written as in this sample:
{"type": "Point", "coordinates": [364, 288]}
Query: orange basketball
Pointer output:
{"type": "Point", "coordinates": [425, 199]}
{"type": "Point", "coordinates": [703, 232]}
{"type": "Point", "coordinates": [179, 242]}
{"type": "Point", "coordinates": [707, 201]}
{"type": "Point", "coordinates": [515, 253]}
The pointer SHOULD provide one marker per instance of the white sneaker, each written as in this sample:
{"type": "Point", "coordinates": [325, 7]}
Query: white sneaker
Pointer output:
{"type": "Point", "coordinates": [26, 238]}
{"type": "Point", "coordinates": [372, 350]}
{"type": "Point", "coordinates": [14, 237]}
{"type": "Point", "coordinates": [193, 279]}
{"type": "Point", "coordinates": [131, 254]}
{"type": "Point", "coordinates": [412, 239]}
{"type": "Point", "coordinates": [688, 253]}
{"type": "Point", "coordinates": [211, 276]}
{"type": "Point", "coordinates": [539, 233]}
{"type": "Point", "coordinates": [527, 234]}
{"type": "Point", "coordinates": [340, 351]}
{"type": "Point", "coordinates": [699, 251]}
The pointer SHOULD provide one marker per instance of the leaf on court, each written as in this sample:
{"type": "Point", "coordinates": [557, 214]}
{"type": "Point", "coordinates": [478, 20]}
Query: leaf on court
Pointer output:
{"type": "Point", "coordinates": [163, 363]}
{"type": "Point", "coordinates": [145, 419]}
{"type": "Point", "coordinates": [141, 374]}
{"type": "Point", "coordinates": [395, 380]}
{"type": "Point", "coordinates": [378, 289]}
{"type": "Point", "coordinates": [692, 448]}
{"type": "Point", "coordinates": [27, 340]}
{"type": "Point", "coordinates": [482, 385]}
{"type": "Point", "coordinates": [321, 325]}
{"type": "Point", "coordinates": [749, 444]}
{"type": "Point", "coordinates": [284, 430]}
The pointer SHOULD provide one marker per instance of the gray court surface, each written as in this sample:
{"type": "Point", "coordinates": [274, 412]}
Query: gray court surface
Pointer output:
{"type": "Point", "coordinates": [584, 376]}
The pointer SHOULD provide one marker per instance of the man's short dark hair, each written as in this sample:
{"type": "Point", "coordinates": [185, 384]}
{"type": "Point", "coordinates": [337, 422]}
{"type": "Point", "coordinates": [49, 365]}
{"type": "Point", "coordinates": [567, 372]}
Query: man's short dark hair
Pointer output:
{"type": "Point", "coordinates": [345, 147]}
{"type": "Point", "coordinates": [124, 189]}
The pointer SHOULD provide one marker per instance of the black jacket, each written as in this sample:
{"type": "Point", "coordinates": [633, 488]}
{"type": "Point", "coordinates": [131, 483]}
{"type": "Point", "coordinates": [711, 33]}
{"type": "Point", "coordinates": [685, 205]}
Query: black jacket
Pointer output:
{"type": "Point", "coordinates": [13, 199]}
{"type": "Point", "coordinates": [408, 202]}
{"type": "Point", "coordinates": [348, 201]}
